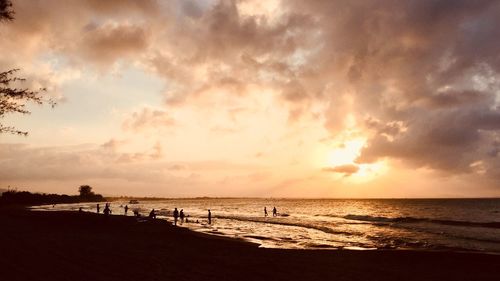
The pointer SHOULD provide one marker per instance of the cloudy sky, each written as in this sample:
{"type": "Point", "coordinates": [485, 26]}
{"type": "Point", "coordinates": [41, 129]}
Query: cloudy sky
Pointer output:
{"type": "Point", "coordinates": [272, 98]}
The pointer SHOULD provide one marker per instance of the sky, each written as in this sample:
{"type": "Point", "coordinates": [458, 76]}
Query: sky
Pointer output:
{"type": "Point", "coordinates": [290, 98]}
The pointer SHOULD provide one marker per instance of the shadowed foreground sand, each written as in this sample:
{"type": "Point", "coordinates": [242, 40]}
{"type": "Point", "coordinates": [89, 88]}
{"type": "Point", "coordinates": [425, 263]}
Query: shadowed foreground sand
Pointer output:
{"type": "Point", "coordinates": [72, 246]}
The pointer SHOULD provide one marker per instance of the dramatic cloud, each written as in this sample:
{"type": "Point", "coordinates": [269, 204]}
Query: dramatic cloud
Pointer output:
{"type": "Point", "coordinates": [421, 75]}
{"type": "Point", "coordinates": [417, 80]}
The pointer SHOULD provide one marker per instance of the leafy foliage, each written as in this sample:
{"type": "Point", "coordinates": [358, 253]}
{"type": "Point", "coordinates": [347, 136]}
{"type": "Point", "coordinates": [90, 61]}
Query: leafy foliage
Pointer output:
{"type": "Point", "coordinates": [85, 191]}
{"type": "Point", "coordinates": [14, 197]}
{"type": "Point", "coordinates": [6, 12]}
{"type": "Point", "coordinates": [12, 99]}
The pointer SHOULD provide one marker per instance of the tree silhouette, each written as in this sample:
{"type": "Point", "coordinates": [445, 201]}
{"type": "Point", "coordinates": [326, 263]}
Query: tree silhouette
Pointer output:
{"type": "Point", "coordinates": [13, 99]}
{"type": "Point", "coordinates": [85, 191]}
{"type": "Point", "coordinates": [6, 12]}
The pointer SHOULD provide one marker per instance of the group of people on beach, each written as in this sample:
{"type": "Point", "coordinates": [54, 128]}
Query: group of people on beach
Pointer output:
{"type": "Point", "coordinates": [107, 209]}
{"type": "Point", "coordinates": [176, 214]}
{"type": "Point", "coordinates": [180, 215]}
{"type": "Point", "coordinates": [275, 212]}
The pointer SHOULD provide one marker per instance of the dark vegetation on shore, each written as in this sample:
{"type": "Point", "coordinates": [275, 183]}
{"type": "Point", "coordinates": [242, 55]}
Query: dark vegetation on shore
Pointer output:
{"type": "Point", "coordinates": [25, 198]}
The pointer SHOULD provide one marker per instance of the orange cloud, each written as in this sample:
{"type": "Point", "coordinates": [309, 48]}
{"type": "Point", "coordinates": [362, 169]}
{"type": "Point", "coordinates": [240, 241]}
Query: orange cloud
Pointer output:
{"type": "Point", "coordinates": [346, 170]}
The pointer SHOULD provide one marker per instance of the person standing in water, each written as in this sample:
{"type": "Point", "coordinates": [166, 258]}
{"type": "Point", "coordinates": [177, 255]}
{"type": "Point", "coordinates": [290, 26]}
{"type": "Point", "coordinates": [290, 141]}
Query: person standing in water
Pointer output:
{"type": "Point", "coordinates": [98, 208]}
{"type": "Point", "coordinates": [126, 209]}
{"type": "Point", "coordinates": [265, 212]}
{"type": "Point", "coordinates": [209, 217]}
{"type": "Point", "coordinates": [275, 212]}
{"type": "Point", "coordinates": [107, 210]}
{"type": "Point", "coordinates": [152, 214]}
{"type": "Point", "coordinates": [176, 215]}
{"type": "Point", "coordinates": [181, 215]}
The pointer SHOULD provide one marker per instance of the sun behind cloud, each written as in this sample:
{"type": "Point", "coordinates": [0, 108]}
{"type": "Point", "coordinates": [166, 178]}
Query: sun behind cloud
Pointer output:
{"type": "Point", "coordinates": [342, 162]}
{"type": "Point", "coordinates": [346, 153]}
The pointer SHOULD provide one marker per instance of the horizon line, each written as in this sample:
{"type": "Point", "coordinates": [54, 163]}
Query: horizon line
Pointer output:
{"type": "Point", "coordinates": [294, 198]}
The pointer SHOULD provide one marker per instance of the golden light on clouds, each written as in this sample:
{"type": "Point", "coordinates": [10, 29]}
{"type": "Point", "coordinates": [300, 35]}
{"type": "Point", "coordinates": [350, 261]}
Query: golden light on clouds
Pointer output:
{"type": "Point", "coordinates": [341, 161]}
{"type": "Point", "coordinates": [257, 98]}
{"type": "Point", "coordinates": [369, 172]}
{"type": "Point", "coordinates": [346, 153]}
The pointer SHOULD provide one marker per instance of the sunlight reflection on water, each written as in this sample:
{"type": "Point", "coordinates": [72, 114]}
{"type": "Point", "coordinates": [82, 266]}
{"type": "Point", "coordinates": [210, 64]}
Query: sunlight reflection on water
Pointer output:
{"type": "Point", "coordinates": [468, 224]}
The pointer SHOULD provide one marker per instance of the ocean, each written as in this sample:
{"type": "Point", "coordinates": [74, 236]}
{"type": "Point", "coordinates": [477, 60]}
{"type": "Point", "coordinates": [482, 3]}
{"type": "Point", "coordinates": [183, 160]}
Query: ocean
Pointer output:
{"type": "Point", "coordinates": [434, 224]}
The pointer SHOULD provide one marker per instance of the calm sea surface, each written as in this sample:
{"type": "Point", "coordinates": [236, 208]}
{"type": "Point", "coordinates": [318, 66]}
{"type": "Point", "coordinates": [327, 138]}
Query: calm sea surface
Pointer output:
{"type": "Point", "coordinates": [456, 224]}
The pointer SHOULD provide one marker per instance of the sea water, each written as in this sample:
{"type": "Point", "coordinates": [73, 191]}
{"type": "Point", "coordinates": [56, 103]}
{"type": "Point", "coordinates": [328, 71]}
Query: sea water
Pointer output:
{"type": "Point", "coordinates": [446, 224]}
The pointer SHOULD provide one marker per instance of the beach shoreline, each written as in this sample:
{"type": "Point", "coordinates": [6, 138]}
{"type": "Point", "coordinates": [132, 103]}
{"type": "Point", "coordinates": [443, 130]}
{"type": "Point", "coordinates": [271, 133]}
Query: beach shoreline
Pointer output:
{"type": "Point", "coordinates": [334, 224]}
{"type": "Point", "coordinates": [87, 246]}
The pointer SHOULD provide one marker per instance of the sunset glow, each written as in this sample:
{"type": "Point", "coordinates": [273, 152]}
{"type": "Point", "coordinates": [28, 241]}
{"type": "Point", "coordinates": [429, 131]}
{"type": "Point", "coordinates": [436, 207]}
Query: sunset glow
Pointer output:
{"type": "Point", "coordinates": [255, 98]}
{"type": "Point", "coordinates": [347, 153]}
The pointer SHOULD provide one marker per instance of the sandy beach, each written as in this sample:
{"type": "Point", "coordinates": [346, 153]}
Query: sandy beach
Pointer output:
{"type": "Point", "coordinates": [86, 246]}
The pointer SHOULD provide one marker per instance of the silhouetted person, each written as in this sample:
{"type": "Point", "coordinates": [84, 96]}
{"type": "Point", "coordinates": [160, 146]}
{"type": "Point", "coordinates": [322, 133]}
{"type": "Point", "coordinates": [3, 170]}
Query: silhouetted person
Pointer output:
{"type": "Point", "coordinates": [265, 212]}
{"type": "Point", "coordinates": [176, 215]}
{"type": "Point", "coordinates": [181, 215]}
{"type": "Point", "coordinates": [152, 214]}
{"type": "Point", "coordinates": [209, 217]}
{"type": "Point", "coordinates": [107, 210]}
{"type": "Point", "coordinates": [136, 213]}
{"type": "Point", "coordinates": [80, 210]}
{"type": "Point", "coordinates": [98, 209]}
{"type": "Point", "coordinates": [126, 209]}
{"type": "Point", "coordinates": [275, 212]}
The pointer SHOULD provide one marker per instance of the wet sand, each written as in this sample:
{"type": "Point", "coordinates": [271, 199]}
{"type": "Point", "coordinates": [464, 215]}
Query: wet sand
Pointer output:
{"type": "Point", "coordinates": [84, 246]}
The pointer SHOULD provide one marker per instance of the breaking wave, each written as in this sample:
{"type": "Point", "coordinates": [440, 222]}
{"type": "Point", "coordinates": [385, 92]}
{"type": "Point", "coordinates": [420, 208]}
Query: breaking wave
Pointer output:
{"type": "Point", "coordinates": [421, 220]}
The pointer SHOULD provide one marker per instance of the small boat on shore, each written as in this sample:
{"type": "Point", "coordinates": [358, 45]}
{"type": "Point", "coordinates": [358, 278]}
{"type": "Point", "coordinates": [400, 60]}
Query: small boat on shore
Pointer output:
{"type": "Point", "coordinates": [133, 202]}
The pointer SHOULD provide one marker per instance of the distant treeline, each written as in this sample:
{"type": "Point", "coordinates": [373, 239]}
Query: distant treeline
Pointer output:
{"type": "Point", "coordinates": [14, 197]}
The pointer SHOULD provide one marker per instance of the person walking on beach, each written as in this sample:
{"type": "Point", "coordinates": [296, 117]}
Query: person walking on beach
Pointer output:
{"type": "Point", "coordinates": [126, 209]}
{"type": "Point", "coordinates": [176, 215]}
{"type": "Point", "coordinates": [265, 212]}
{"type": "Point", "coordinates": [181, 215]}
{"type": "Point", "coordinates": [275, 212]}
{"type": "Point", "coordinates": [98, 208]}
{"type": "Point", "coordinates": [209, 217]}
